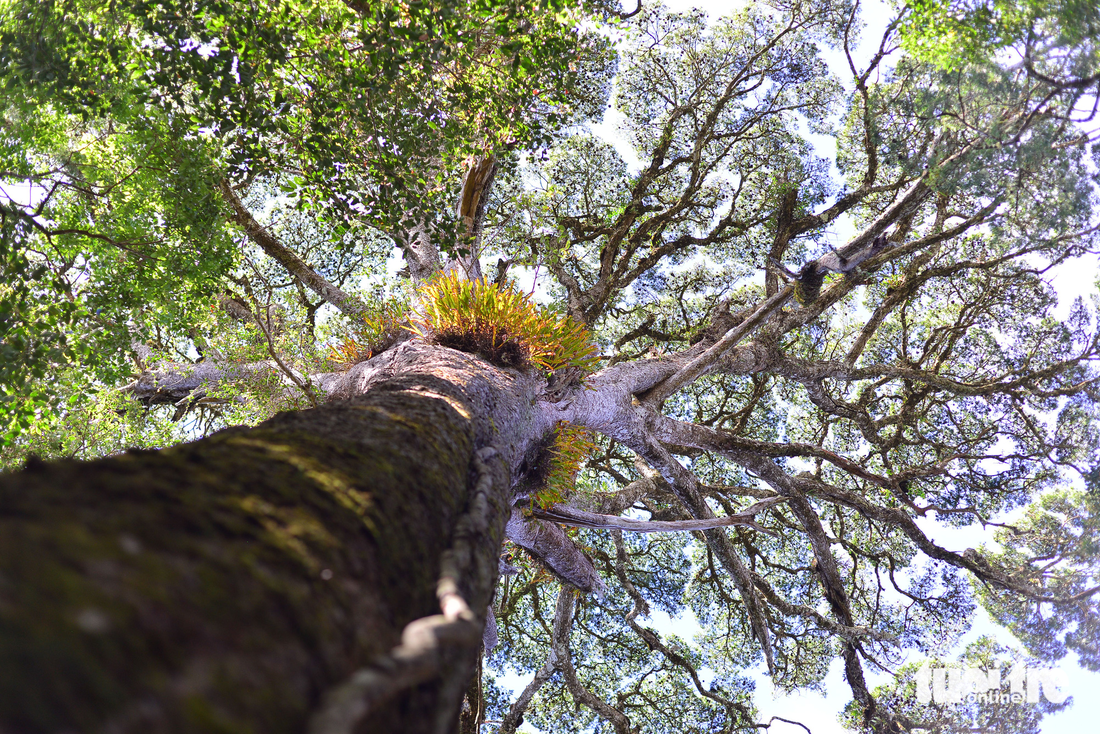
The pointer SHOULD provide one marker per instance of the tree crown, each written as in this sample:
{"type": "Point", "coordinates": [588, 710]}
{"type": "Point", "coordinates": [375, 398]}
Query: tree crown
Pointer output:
{"type": "Point", "coordinates": [225, 187]}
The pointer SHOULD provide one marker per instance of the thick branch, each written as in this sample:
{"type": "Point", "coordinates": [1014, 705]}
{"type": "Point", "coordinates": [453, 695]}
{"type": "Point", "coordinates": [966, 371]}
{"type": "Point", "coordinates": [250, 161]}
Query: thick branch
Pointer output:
{"type": "Point", "coordinates": [350, 305]}
{"type": "Point", "coordinates": [564, 658]}
{"type": "Point", "coordinates": [685, 485]}
{"type": "Point", "coordinates": [175, 382]}
{"type": "Point", "coordinates": [473, 202]}
{"type": "Point", "coordinates": [734, 709]}
{"type": "Point", "coordinates": [549, 543]}
{"type": "Point", "coordinates": [696, 367]}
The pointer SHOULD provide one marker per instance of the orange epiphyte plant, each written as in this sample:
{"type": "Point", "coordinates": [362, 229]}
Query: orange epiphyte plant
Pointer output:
{"type": "Point", "coordinates": [501, 324]}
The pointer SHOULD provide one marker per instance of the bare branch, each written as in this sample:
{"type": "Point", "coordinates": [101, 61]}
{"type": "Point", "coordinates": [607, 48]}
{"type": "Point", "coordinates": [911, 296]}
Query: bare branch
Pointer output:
{"type": "Point", "coordinates": [563, 656]}
{"type": "Point", "coordinates": [734, 709]}
{"type": "Point", "coordinates": [696, 367]}
{"type": "Point", "coordinates": [548, 543]}
{"type": "Point", "coordinates": [566, 515]}
{"type": "Point", "coordinates": [302, 381]}
{"type": "Point", "coordinates": [514, 717]}
{"type": "Point", "coordinates": [293, 264]}
{"type": "Point", "coordinates": [774, 719]}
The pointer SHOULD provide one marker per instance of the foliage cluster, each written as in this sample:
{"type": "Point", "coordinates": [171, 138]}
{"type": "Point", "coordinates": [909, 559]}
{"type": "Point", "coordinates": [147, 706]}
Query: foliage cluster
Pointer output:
{"type": "Point", "coordinates": [35, 321]}
{"type": "Point", "coordinates": [572, 445]}
{"type": "Point", "coordinates": [281, 82]}
{"type": "Point", "coordinates": [124, 118]}
{"type": "Point", "coordinates": [501, 324]}
{"type": "Point", "coordinates": [88, 424]}
{"type": "Point", "coordinates": [379, 329]}
{"type": "Point", "coordinates": [954, 33]}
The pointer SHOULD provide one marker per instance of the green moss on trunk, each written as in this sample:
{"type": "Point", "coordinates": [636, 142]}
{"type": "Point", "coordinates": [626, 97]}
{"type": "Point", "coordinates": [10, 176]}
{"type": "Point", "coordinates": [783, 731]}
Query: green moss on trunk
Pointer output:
{"type": "Point", "coordinates": [223, 585]}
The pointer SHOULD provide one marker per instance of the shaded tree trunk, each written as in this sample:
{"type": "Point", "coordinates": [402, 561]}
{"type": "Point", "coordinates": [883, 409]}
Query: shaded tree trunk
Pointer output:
{"type": "Point", "coordinates": [229, 584]}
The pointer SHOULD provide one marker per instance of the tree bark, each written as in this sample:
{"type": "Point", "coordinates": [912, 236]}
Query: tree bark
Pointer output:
{"type": "Point", "coordinates": [230, 584]}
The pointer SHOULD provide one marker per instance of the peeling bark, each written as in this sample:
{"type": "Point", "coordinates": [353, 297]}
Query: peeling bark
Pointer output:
{"type": "Point", "coordinates": [472, 204]}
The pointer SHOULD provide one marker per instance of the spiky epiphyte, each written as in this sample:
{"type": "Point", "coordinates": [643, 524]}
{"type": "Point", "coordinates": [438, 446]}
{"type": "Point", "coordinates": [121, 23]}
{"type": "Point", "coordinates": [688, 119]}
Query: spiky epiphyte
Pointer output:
{"type": "Point", "coordinates": [807, 286]}
{"type": "Point", "coordinates": [500, 324]}
{"type": "Point", "coordinates": [378, 331]}
{"type": "Point", "coordinates": [571, 446]}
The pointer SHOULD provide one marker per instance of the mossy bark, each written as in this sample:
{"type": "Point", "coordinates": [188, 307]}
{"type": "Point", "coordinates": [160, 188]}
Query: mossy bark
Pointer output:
{"type": "Point", "coordinates": [226, 584]}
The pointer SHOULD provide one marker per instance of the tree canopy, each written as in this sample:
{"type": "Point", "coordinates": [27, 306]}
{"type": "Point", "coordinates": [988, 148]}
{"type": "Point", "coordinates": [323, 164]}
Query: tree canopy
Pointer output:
{"type": "Point", "coordinates": [211, 212]}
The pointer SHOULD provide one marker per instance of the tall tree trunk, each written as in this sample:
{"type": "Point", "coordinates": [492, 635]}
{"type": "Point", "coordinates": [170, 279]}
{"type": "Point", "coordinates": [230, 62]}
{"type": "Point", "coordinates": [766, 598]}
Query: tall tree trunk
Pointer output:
{"type": "Point", "coordinates": [232, 583]}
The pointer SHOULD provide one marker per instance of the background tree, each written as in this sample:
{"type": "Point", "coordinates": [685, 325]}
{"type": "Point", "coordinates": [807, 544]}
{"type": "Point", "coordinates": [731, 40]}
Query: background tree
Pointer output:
{"type": "Point", "coordinates": [216, 190]}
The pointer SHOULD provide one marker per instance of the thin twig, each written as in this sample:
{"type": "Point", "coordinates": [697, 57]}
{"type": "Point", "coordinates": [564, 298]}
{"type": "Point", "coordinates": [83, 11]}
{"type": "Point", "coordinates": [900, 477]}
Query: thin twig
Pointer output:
{"type": "Point", "coordinates": [305, 385]}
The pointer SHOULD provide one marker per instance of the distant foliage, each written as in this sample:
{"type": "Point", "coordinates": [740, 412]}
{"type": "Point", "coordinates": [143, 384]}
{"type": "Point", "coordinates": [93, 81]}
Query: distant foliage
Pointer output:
{"type": "Point", "coordinates": [500, 324]}
{"type": "Point", "coordinates": [953, 33]}
{"type": "Point", "coordinates": [34, 321]}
